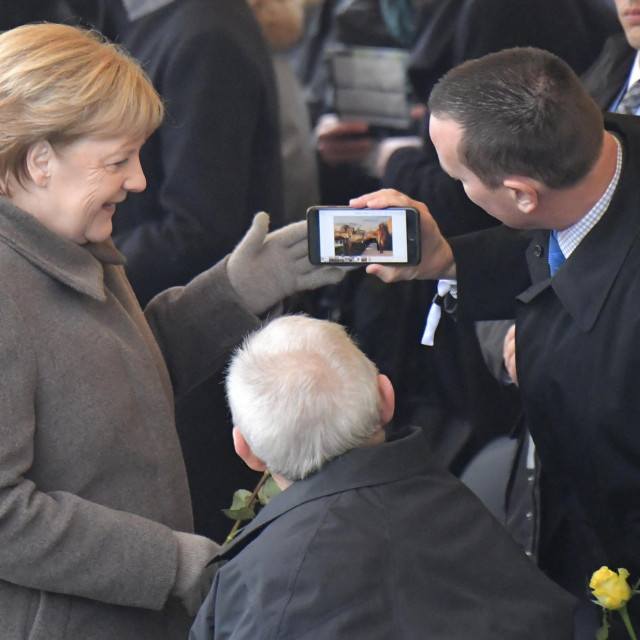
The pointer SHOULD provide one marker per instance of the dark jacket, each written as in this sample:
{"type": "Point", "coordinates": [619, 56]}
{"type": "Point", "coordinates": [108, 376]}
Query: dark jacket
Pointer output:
{"type": "Point", "coordinates": [380, 544]}
{"type": "Point", "coordinates": [578, 341]}
{"type": "Point", "coordinates": [607, 76]}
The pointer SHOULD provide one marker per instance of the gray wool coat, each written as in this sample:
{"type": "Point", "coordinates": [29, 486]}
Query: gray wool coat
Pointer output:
{"type": "Point", "coordinates": [92, 480]}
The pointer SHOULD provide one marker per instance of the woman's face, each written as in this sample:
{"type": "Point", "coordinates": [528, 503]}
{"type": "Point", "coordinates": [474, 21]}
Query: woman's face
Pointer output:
{"type": "Point", "coordinates": [86, 180]}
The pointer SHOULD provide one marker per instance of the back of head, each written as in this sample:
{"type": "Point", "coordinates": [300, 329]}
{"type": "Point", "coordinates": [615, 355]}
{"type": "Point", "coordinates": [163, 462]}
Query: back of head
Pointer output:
{"type": "Point", "coordinates": [60, 83]}
{"type": "Point", "coordinates": [302, 393]}
{"type": "Point", "coordinates": [523, 112]}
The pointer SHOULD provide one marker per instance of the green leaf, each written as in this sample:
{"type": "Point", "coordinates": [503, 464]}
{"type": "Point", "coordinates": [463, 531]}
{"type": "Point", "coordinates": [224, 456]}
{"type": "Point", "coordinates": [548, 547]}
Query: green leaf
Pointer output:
{"type": "Point", "coordinates": [239, 509]}
{"type": "Point", "coordinates": [268, 491]}
{"type": "Point", "coordinates": [245, 513]}
{"type": "Point", "coordinates": [240, 499]}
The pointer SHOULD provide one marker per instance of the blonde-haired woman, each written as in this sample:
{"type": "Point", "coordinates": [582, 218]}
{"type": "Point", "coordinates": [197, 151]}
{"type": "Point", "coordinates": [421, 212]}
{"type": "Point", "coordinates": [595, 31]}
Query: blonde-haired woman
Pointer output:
{"type": "Point", "coordinates": [95, 516]}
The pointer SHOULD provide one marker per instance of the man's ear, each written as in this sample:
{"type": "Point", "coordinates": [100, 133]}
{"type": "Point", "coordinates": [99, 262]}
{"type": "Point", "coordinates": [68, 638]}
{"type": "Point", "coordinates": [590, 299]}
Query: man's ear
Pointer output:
{"type": "Point", "coordinates": [244, 451]}
{"type": "Point", "coordinates": [39, 162]}
{"type": "Point", "coordinates": [387, 399]}
{"type": "Point", "coordinates": [524, 191]}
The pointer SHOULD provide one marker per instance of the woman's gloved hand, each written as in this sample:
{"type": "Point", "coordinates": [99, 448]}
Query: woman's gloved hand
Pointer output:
{"type": "Point", "coordinates": [194, 574]}
{"type": "Point", "coordinates": [266, 267]}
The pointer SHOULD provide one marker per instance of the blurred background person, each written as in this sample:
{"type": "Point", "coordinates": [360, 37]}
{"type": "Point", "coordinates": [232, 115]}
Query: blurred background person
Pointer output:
{"type": "Point", "coordinates": [282, 23]}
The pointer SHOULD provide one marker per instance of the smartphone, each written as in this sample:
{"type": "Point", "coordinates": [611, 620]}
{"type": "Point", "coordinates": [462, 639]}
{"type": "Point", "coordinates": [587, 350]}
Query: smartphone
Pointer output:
{"type": "Point", "coordinates": [347, 236]}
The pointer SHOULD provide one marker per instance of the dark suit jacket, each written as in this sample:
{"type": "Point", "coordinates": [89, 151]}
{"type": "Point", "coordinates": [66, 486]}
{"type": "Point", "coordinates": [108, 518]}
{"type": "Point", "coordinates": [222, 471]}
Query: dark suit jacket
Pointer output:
{"type": "Point", "coordinates": [608, 75]}
{"type": "Point", "coordinates": [578, 340]}
{"type": "Point", "coordinates": [380, 544]}
{"type": "Point", "coordinates": [215, 160]}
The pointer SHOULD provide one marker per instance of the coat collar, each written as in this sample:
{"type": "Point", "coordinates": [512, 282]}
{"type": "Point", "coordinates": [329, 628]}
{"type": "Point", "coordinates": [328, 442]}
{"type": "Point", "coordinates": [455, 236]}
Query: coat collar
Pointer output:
{"type": "Point", "coordinates": [585, 280]}
{"type": "Point", "coordinates": [399, 457]}
{"type": "Point", "coordinates": [77, 266]}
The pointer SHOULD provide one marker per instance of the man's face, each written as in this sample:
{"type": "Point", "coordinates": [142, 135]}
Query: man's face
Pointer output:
{"type": "Point", "coordinates": [499, 202]}
{"type": "Point", "coordinates": [629, 16]}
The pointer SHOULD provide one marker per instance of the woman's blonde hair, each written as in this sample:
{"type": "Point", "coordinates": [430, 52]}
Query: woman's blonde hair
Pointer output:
{"type": "Point", "coordinates": [60, 83]}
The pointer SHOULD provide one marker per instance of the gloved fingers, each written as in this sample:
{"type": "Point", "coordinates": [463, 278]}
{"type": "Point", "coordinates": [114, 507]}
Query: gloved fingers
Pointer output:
{"type": "Point", "coordinates": [299, 251]}
{"type": "Point", "coordinates": [301, 264]}
{"type": "Point", "coordinates": [286, 252]}
{"type": "Point", "coordinates": [254, 237]}
{"type": "Point", "coordinates": [332, 275]}
{"type": "Point", "coordinates": [290, 235]}
{"type": "Point", "coordinates": [304, 268]}
{"type": "Point", "coordinates": [320, 276]}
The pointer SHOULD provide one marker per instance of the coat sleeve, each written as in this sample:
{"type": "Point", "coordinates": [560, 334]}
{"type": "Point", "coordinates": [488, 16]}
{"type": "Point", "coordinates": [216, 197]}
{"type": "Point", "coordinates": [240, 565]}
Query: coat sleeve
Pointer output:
{"type": "Point", "coordinates": [197, 326]}
{"type": "Point", "coordinates": [54, 540]}
{"type": "Point", "coordinates": [491, 271]}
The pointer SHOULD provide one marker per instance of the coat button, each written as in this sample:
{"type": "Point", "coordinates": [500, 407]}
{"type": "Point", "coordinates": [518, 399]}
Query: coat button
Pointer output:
{"type": "Point", "coordinates": [538, 250]}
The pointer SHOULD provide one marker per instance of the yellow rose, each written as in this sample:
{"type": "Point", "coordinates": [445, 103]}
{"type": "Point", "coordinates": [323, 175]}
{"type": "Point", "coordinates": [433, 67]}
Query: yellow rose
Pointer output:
{"type": "Point", "coordinates": [611, 589]}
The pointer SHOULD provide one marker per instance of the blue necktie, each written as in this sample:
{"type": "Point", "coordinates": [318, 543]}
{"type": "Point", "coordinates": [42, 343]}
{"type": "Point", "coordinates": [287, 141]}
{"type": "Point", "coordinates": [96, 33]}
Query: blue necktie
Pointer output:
{"type": "Point", "coordinates": [555, 257]}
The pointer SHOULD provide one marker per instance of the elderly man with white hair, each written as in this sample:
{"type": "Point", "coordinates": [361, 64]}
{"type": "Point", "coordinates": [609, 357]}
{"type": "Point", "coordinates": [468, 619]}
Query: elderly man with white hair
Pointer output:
{"type": "Point", "coordinates": [369, 538]}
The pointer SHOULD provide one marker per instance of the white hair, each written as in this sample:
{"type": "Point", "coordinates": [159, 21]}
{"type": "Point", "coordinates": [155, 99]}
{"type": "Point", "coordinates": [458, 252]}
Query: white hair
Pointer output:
{"type": "Point", "coordinates": [301, 393]}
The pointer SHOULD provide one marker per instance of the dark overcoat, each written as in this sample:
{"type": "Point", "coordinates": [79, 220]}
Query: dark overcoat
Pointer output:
{"type": "Point", "coordinates": [381, 543]}
{"type": "Point", "coordinates": [578, 355]}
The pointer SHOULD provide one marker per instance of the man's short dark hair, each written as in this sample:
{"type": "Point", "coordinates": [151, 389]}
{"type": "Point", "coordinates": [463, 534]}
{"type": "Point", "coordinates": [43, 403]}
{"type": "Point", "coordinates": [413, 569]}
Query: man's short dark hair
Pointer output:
{"type": "Point", "coordinates": [523, 112]}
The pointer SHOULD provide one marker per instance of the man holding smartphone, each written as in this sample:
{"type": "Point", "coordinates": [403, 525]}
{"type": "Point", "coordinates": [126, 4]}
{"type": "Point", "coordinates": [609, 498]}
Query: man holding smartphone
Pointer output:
{"type": "Point", "coordinates": [531, 148]}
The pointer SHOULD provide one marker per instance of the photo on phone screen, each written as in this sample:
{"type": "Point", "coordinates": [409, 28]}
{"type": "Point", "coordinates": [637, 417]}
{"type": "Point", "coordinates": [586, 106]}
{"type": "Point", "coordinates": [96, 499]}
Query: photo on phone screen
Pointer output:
{"type": "Point", "coordinates": [345, 236]}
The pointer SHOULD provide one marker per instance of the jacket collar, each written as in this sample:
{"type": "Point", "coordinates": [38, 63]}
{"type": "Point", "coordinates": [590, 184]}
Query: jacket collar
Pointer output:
{"type": "Point", "coordinates": [77, 266]}
{"type": "Point", "coordinates": [399, 457]}
{"type": "Point", "coordinates": [585, 280]}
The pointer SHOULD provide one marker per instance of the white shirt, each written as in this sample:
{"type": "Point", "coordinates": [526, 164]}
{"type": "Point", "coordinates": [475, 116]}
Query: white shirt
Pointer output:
{"type": "Point", "coordinates": [570, 238]}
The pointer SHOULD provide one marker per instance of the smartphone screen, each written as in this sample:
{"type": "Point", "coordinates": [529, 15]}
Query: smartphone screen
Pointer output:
{"type": "Point", "coordinates": [346, 236]}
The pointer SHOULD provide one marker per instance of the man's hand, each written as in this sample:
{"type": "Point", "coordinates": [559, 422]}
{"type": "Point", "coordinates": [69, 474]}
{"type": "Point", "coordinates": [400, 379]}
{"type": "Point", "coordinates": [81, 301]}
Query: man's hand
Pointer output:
{"type": "Point", "coordinates": [342, 141]}
{"type": "Point", "coordinates": [437, 258]}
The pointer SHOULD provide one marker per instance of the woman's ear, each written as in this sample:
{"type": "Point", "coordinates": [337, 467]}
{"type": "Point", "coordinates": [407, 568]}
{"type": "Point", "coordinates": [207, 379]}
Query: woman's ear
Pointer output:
{"type": "Point", "coordinates": [387, 399]}
{"type": "Point", "coordinates": [244, 451]}
{"type": "Point", "coordinates": [39, 162]}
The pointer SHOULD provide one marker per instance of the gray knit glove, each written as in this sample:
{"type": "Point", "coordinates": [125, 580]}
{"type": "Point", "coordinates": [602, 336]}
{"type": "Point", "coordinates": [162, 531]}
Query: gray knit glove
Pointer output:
{"type": "Point", "coordinates": [264, 269]}
{"type": "Point", "coordinates": [194, 574]}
